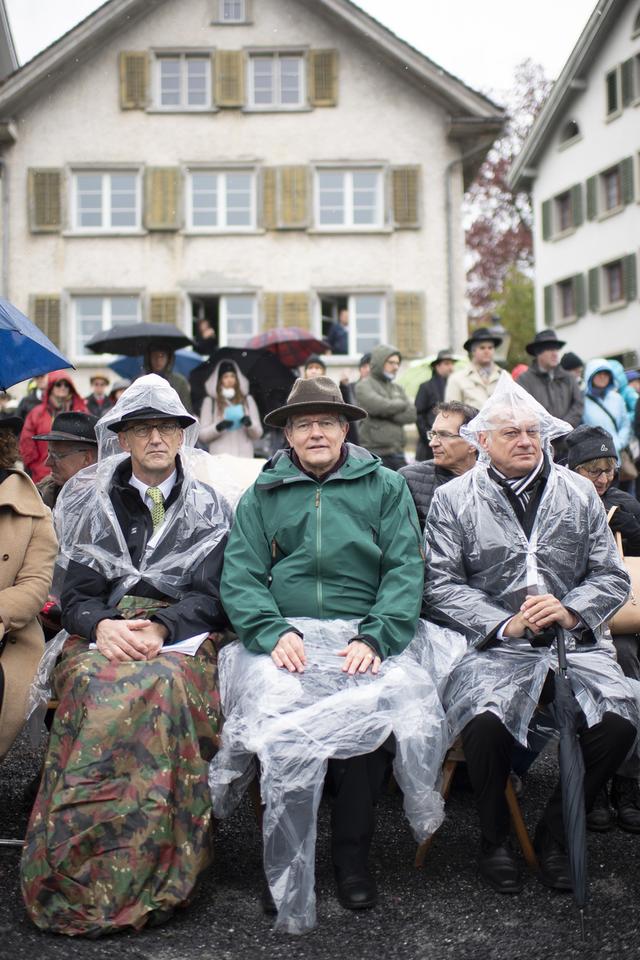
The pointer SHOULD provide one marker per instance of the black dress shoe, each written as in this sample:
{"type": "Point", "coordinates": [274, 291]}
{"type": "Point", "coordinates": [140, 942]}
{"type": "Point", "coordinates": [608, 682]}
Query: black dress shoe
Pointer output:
{"type": "Point", "coordinates": [553, 860]}
{"type": "Point", "coordinates": [599, 818]}
{"type": "Point", "coordinates": [499, 867]}
{"type": "Point", "coordinates": [625, 796]}
{"type": "Point", "coordinates": [356, 891]}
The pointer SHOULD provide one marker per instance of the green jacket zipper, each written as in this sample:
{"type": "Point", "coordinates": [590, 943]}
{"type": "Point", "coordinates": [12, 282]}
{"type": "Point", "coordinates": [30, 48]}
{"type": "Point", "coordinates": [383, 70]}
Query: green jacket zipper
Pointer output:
{"type": "Point", "coordinates": [319, 552]}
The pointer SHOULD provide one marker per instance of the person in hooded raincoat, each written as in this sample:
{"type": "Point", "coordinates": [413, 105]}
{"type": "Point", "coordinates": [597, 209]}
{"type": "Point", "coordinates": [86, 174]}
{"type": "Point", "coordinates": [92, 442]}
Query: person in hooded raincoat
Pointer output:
{"type": "Point", "coordinates": [160, 360]}
{"type": "Point", "coordinates": [388, 408]}
{"type": "Point", "coordinates": [229, 418]}
{"type": "Point", "coordinates": [516, 548]}
{"type": "Point", "coordinates": [121, 827]}
{"type": "Point", "coordinates": [60, 396]}
{"type": "Point", "coordinates": [603, 405]}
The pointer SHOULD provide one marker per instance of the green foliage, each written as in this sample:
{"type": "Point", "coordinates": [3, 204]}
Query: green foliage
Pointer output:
{"type": "Point", "coordinates": [514, 304]}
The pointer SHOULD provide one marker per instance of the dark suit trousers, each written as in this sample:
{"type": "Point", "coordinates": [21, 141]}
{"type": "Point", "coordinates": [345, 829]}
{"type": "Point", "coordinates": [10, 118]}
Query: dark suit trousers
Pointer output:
{"type": "Point", "coordinates": [354, 786]}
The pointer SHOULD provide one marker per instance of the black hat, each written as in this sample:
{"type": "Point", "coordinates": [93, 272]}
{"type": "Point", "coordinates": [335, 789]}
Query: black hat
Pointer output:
{"type": "Point", "coordinates": [314, 358]}
{"type": "Point", "coordinates": [544, 340]}
{"type": "Point", "coordinates": [442, 355]}
{"type": "Point", "coordinates": [481, 335]}
{"type": "Point", "coordinates": [226, 367]}
{"type": "Point", "coordinates": [9, 421]}
{"type": "Point", "coordinates": [588, 443]}
{"type": "Point", "coordinates": [149, 413]}
{"type": "Point", "coordinates": [571, 361]}
{"type": "Point", "coordinates": [78, 427]}
{"type": "Point", "coordinates": [319, 395]}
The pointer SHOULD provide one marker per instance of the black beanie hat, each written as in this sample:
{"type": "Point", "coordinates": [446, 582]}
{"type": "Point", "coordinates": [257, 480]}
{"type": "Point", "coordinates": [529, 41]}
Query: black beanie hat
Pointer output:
{"type": "Point", "coordinates": [226, 367]}
{"type": "Point", "coordinates": [314, 358]}
{"type": "Point", "coordinates": [588, 443]}
{"type": "Point", "coordinates": [571, 361]}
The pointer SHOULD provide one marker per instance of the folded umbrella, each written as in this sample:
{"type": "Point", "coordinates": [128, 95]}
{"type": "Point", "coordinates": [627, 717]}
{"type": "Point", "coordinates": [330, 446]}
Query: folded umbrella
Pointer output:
{"type": "Point", "coordinates": [292, 345]}
{"type": "Point", "coordinates": [134, 339]}
{"type": "Point", "coordinates": [25, 352]}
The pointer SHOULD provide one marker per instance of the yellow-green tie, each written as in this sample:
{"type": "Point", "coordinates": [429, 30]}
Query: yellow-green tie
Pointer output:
{"type": "Point", "coordinates": [157, 510]}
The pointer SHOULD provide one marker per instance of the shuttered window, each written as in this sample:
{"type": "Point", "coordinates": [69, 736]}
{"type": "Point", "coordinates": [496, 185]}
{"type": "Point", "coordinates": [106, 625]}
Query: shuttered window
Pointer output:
{"type": "Point", "coordinates": [164, 308]}
{"type": "Point", "coordinates": [232, 11]}
{"type": "Point", "coordinates": [594, 289]}
{"type": "Point", "coordinates": [221, 200]}
{"type": "Point", "coordinates": [612, 92]}
{"type": "Point", "coordinates": [323, 78]}
{"type": "Point", "coordinates": [238, 319]}
{"type": "Point", "coordinates": [229, 78]}
{"type": "Point", "coordinates": [408, 334]}
{"type": "Point", "coordinates": [106, 201]}
{"type": "Point", "coordinates": [351, 199]}
{"type": "Point", "coordinates": [269, 311]}
{"type": "Point", "coordinates": [592, 198]}
{"type": "Point", "coordinates": [183, 81]}
{"type": "Point", "coordinates": [629, 277]}
{"type": "Point", "coordinates": [276, 81]}
{"type": "Point", "coordinates": [91, 315]}
{"type": "Point", "coordinates": [405, 183]}
{"type": "Point", "coordinates": [44, 311]}
{"type": "Point", "coordinates": [44, 191]}
{"type": "Point", "coordinates": [162, 198]}
{"type": "Point", "coordinates": [294, 310]}
{"type": "Point", "coordinates": [134, 80]}
{"type": "Point", "coordinates": [549, 294]}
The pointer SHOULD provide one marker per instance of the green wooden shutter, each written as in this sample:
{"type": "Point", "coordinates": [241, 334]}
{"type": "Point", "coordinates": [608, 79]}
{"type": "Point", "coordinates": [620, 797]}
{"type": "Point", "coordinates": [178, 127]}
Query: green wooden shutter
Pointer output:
{"type": "Point", "coordinates": [293, 194]}
{"type": "Point", "coordinates": [408, 332]}
{"type": "Point", "coordinates": [594, 289]}
{"type": "Point", "coordinates": [628, 92]}
{"type": "Point", "coordinates": [269, 311]}
{"type": "Point", "coordinates": [579, 295]}
{"type": "Point", "coordinates": [323, 78]}
{"type": "Point", "coordinates": [626, 178]}
{"type": "Point", "coordinates": [577, 213]}
{"type": "Point", "coordinates": [163, 309]}
{"type": "Point", "coordinates": [229, 72]}
{"type": "Point", "coordinates": [629, 277]}
{"type": "Point", "coordinates": [405, 183]}
{"type": "Point", "coordinates": [546, 219]}
{"type": "Point", "coordinates": [134, 80]}
{"type": "Point", "coordinates": [45, 311]}
{"type": "Point", "coordinates": [592, 198]}
{"type": "Point", "coordinates": [162, 198]}
{"type": "Point", "coordinates": [549, 293]}
{"type": "Point", "coordinates": [44, 193]}
{"type": "Point", "coordinates": [295, 310]}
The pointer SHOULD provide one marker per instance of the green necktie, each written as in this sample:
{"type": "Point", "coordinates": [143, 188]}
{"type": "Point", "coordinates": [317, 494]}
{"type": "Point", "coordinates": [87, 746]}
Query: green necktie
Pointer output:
{"type": "Point", "coordinates": [157, 510]}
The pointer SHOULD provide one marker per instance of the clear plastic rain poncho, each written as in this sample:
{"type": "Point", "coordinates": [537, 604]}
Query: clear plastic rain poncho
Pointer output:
{"type": "Point", "coordinates": [480, 566]}
{"type": "Point", "coordinates": [294, 723]}
{"type": "Point", "coordinates": [89, 533]}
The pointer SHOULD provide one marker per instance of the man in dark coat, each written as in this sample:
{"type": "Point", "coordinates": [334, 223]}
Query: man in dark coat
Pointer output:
{"type": "Point", "coordinates": [430, 393]}
{"type": "Point", "coordinates": [546, 380]}
{"type": "Point", "coordinates": [72, 446]}
{"type": "Point", "coordinates": [452, 456]}
{"type": "Point", "coordinates": [99, 401]}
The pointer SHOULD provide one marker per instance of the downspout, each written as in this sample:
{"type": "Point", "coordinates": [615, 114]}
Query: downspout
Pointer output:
{"type": "Point", "coordinates": [4, 268]}
{"type": "Point", "coordinates": [449, 216]}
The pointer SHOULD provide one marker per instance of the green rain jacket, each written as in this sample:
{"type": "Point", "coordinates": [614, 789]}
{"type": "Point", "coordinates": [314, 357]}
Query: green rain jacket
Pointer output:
{"type": "Point", "coordinates": [387, 404]}
{"type": "Point", "coordinates": [349, 547]}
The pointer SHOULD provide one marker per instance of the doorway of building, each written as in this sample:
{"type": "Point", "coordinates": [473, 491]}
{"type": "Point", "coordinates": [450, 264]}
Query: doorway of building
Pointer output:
{"type": "Point", "coordinates": [331, 305]}
{"type": "Point", "coordinates": [205, 321]}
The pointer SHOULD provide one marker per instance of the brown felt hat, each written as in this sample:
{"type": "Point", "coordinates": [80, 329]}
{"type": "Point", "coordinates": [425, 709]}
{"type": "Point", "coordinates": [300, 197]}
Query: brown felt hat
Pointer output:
{"type": "Point", "coordinates": [320, 395]}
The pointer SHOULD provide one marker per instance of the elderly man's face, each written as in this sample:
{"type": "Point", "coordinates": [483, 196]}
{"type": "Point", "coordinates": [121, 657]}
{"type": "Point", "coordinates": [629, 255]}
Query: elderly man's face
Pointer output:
{"type": "Point", "coordinates": [66, 458]}
{"type": "Point", "coordinates": [515, 447]}
{"type": "Point", "coordinates": [449, 449]}
{"type": "Point", "coordinates": [153, 445]}
{"type": "Point", "coordinates": [317, 439]}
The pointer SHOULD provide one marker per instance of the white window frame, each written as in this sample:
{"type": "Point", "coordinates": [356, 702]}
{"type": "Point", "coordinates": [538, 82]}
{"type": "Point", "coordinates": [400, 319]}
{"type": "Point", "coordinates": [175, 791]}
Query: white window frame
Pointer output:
{"type": "Point", "coordinates": [107, 323]}
{"type": "Point", "coordinates": [353, 350]}
{"type": "Point", "coordinates": [223, 313]}
{"type": "Point", "coordinates": [221, 226]}
{"type": "Point", "coordinates": [275, 57]}
{"type": "Point", "coordinates": [348, 225]}
{"type": "Point", "coordinates": [106, 209]}
{"type": "Point", "coordinates": [183, 57]}
{"type": "Point", "coordinates": [242, 18]}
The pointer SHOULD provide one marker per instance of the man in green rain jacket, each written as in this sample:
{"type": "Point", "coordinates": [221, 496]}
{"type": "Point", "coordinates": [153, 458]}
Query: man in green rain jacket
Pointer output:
{"type": "Point", "coordinates": [327, 532]}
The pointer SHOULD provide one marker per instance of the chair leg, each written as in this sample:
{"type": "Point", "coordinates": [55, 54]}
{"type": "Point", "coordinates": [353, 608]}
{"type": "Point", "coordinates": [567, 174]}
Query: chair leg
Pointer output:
{"type": "Point", "coordinates": [521, 831]}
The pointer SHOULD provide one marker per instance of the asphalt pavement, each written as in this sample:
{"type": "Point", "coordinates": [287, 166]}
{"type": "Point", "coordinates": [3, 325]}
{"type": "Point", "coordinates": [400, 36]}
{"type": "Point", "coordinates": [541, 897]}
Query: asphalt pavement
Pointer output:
{"type": "Point", "coordinates": [439, 913]}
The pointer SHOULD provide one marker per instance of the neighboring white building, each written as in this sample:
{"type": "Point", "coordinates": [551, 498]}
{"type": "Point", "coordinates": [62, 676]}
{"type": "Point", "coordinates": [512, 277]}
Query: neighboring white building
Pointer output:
{"type": "Point", "coordinates": [581, 162]}
{"type": "Point", "coordinates": [256, 162]}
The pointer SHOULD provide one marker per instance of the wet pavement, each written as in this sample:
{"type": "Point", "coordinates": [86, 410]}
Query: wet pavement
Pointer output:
{"type": "Point", "coordinates": [439, 913]}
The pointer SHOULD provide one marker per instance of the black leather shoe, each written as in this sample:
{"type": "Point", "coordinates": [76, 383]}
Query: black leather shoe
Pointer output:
{"type": "Point", "coordinates": [599, 818]}
{"type": "Point", "coordinates": [553, 860]}
{"type": "Point", "coordinates": [357, 891]}
{"type": "Point", "coordinates": [625, 797]}
{"type": "Point", "coordinates": [499, 867]}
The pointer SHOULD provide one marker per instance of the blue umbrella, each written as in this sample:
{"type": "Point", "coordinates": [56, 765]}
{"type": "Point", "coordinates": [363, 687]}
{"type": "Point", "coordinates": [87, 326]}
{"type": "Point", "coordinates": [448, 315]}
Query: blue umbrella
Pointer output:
{"type": "Point", "coordinates": [25, 352]}
{"type": "Point", "coordinates": [131, 367]}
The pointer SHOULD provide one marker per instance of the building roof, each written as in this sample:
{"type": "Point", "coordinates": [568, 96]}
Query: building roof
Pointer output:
{"type": "Point", "coordinates": [472, 115]}
{"type": "Point", "coordinates": [571, 82]}
{"type": "Point", "coordinates": [8, 55]}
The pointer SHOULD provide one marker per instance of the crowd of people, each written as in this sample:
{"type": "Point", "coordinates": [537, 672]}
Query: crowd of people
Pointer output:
{"type": "Point", "coordinates": [349, 613]}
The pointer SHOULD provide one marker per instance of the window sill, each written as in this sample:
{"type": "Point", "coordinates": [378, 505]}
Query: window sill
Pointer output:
{"type": "Point", "coordinates": [563, 234]}
{"type": "Point", "coordinates": [171, 111]}
{"type": "Point", "coordinates": [68, 234]}
{"type": "Point", "coordinates": [613, 116]}
{"type": "Point", "coordinates": [611, 307]}
{"type": "Point", "coordinates": [350, 231]}
{"type": "Point", "coordinates": [611, 213]}
{"type": "Point", "coordinates": [565, 144]}
{"type": "Point", "coordinates": [566, 321]}
{"type": "Point", "coordinates": [231, 23]}
{"type": "Point", "coordinates": [301, 108]}
{"type": "Point", "coordinates": [223, 232]}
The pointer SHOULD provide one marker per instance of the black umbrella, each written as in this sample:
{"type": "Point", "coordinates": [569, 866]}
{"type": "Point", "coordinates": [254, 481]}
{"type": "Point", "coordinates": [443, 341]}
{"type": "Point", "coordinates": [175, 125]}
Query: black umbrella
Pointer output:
{"type": "Point", "coordinates": [270, 381]}
{"type": "Point", "coordinates": [133, 339]}
{"type": "Point", "coordinates": [568, 718]}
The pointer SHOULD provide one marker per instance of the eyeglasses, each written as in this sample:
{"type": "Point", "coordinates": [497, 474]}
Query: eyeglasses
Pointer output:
{"type": "Point", "coordinates": [56, 457]}
{"type": "Point", "coordinates": [144, 430]}
{"type": "Point", "coordinates": [593, 474]}
{"type": "Point", "coordinates": [442, 435]}
{"type": "Point", "coordinates": [62, 383]}
{"type": "Point", "coordinates": [326, 425]}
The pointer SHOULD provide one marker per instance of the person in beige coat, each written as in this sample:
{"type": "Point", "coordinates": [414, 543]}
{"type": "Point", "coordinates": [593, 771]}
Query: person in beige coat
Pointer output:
{"type": "Point", "coordinates": [475, 384]}
{"type": "Point", "coordinates": [229, 418]}
{"type": "Point", "coordinates": [28, 549]}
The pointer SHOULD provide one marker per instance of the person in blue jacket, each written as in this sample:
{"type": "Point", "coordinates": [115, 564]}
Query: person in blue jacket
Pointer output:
{"type": "Point", "coordinates": [603, 406]}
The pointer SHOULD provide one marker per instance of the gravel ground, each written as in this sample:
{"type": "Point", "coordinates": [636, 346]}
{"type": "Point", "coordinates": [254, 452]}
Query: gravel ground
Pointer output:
{"type": "Point", "coordinates": [439, 912]}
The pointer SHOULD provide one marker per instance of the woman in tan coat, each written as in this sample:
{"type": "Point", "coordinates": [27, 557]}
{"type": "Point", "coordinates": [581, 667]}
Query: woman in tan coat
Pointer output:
{"type": "Point", "coordinates": [28, 550]}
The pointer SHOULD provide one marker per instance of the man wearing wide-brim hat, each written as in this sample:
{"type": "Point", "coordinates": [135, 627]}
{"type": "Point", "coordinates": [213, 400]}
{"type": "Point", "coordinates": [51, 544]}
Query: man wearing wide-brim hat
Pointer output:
{"type": "Point", "coordinates": [475, 384]}
{"type": "Point", "coordinates": [546, 380]}
{"type": "Point", "coordinates": [72, 447]}
{"type": "Point", "coordinates": [328, 533]}
{"type": "Point", "coordinates": [429, 395]}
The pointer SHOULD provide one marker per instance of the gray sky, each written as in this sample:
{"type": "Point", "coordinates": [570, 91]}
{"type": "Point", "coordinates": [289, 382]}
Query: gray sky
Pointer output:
{"type": "Point", "coordinates": [479, 42]}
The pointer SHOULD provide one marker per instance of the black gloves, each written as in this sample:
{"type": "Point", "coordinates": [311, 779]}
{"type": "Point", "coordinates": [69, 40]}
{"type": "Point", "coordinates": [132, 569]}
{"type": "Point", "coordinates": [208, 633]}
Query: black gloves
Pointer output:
{"type": "Point", "coordinates": [246, 421]}
{"type": "Point", "coordinates": [224, 425]}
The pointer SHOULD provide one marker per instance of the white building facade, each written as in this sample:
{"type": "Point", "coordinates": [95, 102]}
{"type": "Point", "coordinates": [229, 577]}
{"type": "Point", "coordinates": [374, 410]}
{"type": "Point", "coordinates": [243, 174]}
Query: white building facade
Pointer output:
{"type": "Point", "coordinates": [258, 163]}
{"type": "Point", "coordinates": [581, 163]}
